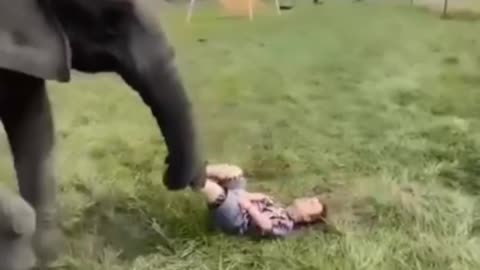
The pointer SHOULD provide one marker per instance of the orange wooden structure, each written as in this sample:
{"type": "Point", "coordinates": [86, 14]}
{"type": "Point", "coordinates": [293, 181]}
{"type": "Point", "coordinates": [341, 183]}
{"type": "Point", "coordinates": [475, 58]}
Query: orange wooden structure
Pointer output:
{"type": "Point", "coordinates": [237, 7]}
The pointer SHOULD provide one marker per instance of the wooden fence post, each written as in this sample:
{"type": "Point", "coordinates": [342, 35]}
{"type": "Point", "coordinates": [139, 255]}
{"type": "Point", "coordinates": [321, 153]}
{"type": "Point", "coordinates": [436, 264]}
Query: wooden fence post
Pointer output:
{"type": "Point", "coordinates": [445, 8]}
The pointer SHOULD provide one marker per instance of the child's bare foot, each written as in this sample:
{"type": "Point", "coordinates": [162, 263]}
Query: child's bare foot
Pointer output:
{"type": "Point", "coordinates": [223, 174]}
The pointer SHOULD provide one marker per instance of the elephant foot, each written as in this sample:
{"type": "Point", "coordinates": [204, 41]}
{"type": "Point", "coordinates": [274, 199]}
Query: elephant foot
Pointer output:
{"type": "Point", "coordinates": [17, 227]}
{"type": "Point", "coordinates": [47, 243]}
{"type": "Point", "coordinates": [16, 253]}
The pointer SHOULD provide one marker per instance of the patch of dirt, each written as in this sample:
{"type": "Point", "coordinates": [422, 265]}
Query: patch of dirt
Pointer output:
{"type": "Point", "coordinates": [346, 208]}
{"type": "Point", "coordinates": [370, 202]}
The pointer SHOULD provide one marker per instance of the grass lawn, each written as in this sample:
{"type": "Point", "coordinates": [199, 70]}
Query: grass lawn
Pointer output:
{"type": "Point", "coordinates": [377, 107]}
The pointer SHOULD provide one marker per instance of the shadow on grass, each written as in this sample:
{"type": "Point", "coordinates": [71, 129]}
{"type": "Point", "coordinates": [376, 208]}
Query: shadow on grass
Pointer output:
{"type": "Point", "coordinates": [137, 226]}
{"type": "Point", "coordinates": [466, 174]}
{"type": "Point", "coordinates": [455, 15]}
{"type": "Point", "coordinates": [462, 15]}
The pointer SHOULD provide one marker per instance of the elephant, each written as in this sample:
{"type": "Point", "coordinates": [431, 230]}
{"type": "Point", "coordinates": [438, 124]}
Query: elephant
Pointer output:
{"type": "Point", "coordinates": [46, 40]}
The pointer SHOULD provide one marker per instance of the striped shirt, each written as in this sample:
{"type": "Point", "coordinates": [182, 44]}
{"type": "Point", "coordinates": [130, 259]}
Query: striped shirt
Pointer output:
{"type": "Point", "coordinates": [231, 218]}
{"type": "Point", "coordinates": [282, 224]}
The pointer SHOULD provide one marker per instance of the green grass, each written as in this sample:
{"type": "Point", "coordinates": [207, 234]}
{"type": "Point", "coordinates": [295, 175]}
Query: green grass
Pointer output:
{"type": "Point", "coordinates": [376, 106]}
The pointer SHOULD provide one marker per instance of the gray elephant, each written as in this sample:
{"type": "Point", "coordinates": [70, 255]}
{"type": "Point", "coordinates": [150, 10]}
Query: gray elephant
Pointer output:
{"type": "Point", "coordinates": [44, 40]}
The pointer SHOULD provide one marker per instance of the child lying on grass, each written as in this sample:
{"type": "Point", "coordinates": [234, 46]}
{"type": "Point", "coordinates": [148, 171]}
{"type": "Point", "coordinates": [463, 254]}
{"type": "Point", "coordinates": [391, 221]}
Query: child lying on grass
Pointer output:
{"type": "Point", "coordinates": [236, 211]}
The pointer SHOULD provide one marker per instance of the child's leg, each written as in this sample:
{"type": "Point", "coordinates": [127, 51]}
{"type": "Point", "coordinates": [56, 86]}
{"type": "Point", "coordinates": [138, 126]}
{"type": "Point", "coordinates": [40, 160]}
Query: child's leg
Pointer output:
{"type": "Point", "coordinates": [237, 183]}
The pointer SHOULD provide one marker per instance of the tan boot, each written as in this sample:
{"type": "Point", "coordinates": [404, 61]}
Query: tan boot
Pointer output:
{"type": "Point", "coordinates": [224, 174]}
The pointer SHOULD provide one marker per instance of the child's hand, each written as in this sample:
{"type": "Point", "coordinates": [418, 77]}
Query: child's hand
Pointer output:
{"type": "Point", "coordinates": [261, 220]}
{"type": "Point", "coordinates": [245, 203]}
{"type": "Point", "coordinates": [255, 197]}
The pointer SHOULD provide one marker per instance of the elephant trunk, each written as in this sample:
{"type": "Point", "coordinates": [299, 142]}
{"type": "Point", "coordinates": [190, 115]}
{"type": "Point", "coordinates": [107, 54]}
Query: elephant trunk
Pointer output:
{"type": "Point", "coordinates": [151, 71]}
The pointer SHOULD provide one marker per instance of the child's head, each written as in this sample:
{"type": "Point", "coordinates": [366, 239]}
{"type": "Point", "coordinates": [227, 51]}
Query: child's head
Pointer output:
{"type": "Point", "coordinates": [307, 210]}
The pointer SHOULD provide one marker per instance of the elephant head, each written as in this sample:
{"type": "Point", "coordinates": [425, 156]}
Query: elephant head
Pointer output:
{"type": "Point", "coordinates": [48, 38]}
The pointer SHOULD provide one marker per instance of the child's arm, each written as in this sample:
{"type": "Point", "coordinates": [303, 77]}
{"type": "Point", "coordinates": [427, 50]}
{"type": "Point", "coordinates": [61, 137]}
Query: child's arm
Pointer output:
{"type": "Point", "coordinates": [259, 219]}
{"type": "Point", "coordinates": [258, 197]}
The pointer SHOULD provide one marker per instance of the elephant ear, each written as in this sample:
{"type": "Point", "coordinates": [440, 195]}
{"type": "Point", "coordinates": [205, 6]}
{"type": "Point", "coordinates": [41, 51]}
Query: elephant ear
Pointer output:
{"type": "Point", "coordinates": [32, 40]}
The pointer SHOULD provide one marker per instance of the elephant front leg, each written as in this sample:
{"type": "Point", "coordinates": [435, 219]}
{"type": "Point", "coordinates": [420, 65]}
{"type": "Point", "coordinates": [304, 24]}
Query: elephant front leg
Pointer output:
{"type": "Point", "coordinates": [30, 129]}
